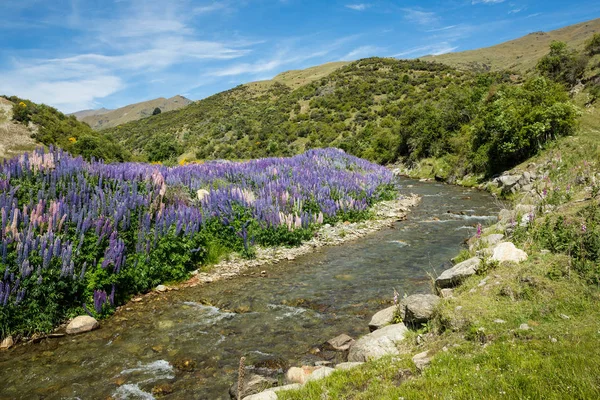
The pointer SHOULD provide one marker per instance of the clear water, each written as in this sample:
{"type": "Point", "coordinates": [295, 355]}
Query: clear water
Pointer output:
{"type": "Point", "coordinates": [296, 307]}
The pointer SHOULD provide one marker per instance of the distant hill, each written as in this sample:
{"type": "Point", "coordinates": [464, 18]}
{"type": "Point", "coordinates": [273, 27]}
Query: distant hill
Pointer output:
{"type": "Point", "coordinates": [90, 113]}
{"type": "Point", "coordinates": [104, 118]}
{"type": "Point", "coordinates": [522, 54]}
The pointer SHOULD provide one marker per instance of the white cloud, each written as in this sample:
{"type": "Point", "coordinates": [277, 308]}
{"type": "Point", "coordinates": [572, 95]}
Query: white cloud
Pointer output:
{"type": "Point", "coordinates": [432, 49]}
{"type": "Point", "coordinates": [358, 7]}
{"type": "Point", "coordinates": [515, 10]}
{"type": "Point", "coordinates": [487, 1]}
{"type": "Point", "coordinates": [420, 17]}
{"type": "Point", "coordinates": [362, 52]}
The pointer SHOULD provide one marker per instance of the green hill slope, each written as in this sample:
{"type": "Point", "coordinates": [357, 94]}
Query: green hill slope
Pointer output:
{"type": "Point", "coordinates": [520, 54]}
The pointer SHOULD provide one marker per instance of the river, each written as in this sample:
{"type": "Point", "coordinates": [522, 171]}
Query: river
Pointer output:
{"type": "Point", "coordinates": [193, 338]}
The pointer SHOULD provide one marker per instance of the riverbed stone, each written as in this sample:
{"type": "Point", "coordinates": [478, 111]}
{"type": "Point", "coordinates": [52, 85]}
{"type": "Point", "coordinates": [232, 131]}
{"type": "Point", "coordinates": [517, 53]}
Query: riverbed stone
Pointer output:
{"type": "Point", "coordinates": [81, 324]}
{"type": "Point", "coordinates": [508, 252]}
{"type": "Point", "coordinates": [161, 288]}
{"type": "Point", "coordinates": [253, 384]}
{"type": "Point", "coordinates": [419, 308]}
{"type": "Point", "coordinates": [7, 343]}
{"type": "Point", "coordinates": [348, 365]}
{"type": "Point", "coordinates": [385, 317]}
{"type": "Point", "coordinates": [453, 276]}
{"type": "Point", "coordinates": [339, 343]}
{"type": "Point", "coordinates": [486, 241]}
{"type": "Point", "coordinates": [320, 373]}
{"type": "Point", "coordinates": [300, 374]}
{"type": "Point", "coordinates": [378, 343]}
{"type": "Point", "coordinates": [271, 394]}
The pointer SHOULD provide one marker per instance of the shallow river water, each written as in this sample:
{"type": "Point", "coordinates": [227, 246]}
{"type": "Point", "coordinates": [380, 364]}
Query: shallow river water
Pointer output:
{"type": "Point", "coordinates": [193, 338]}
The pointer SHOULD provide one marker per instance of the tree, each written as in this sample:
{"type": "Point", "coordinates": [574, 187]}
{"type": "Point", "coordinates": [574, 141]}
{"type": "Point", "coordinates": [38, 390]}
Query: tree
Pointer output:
{"type": "Point", "coordinates": [561, 64]}
{"type": "Point", "coordinates": [156, 111]}
{"type": "Point", "coordinates": [592, 47]}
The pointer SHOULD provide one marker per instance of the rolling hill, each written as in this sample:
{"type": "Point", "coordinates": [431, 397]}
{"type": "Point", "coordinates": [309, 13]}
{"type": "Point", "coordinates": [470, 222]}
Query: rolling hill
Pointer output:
{"type": "Point", "coordinates": [104, 118]}
{"type": "Point", "coordinates": [521, 54]}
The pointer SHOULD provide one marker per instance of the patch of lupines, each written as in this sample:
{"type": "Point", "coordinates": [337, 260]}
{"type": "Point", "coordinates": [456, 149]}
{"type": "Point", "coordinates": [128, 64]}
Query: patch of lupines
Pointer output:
{"type": "Point", "coordinates": [92, 225]}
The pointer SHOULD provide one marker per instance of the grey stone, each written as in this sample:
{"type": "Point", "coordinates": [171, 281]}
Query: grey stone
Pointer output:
{"type": "Point", "coordinates": [385, 317]}
{"type": "Point", "coordinates": [320, 373]}
{"type": "Point", "coordinates": [378, 344]}
{"type": "Point", "coordinates": [508, 181]}
{"type": "Point", "coordinates": [524, 327]}
{"type": "Point", "coordinates": [422, 360]}
{"type": "Point", "coordinates": [506, 216]}
{"type": "Point", "coordinates": [419, 308]}
{"type": "Point", "coordinates": [524, 209]}
{"type": "Point", "coordinates": [446, 293]}
{"type": "Point", "coordinates": [271, 394]}
{"type": "Point", "coordinates": [348, 365]}
{"type": "Point", "coordinates": [507, 252]}
{"type": "Point", "coordinates": [453, 276]}
{"type": "Point", "coordinates": [161, 288]}
{"type": "Point", "coordinates": [486, 241]}
{"type": "Point", "coordinates": [253, 384]}
{"type": "Point", "coordinates": [81, 324]}
{"type": "Point", "coordinates": [339, 343]}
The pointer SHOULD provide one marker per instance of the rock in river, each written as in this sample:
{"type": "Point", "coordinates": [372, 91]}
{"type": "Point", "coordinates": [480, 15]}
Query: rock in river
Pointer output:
{"type": "Point", "coordinates": [453, 276]}
{"type": "Point", "coordinates": [81, 324]}
{"type": "Point", "coordinates": [339, 343]}
{"type": "Point", "coordinates": [378, 344]}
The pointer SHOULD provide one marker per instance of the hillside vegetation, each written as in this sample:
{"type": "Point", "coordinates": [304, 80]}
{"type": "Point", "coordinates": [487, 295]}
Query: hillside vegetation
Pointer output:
{"type": "Point", "coordinates": [521, 54]}
{"type": "Point", "coordinates": [380, 109]}
{"type": "Point", "coordinates": [103, 118]}
{"type": "Point", "coordinates": [29, 125]}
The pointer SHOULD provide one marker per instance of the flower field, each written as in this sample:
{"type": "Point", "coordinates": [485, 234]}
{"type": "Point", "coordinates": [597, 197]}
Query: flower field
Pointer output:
{"type": "Point", "coordinates": [83, 236]}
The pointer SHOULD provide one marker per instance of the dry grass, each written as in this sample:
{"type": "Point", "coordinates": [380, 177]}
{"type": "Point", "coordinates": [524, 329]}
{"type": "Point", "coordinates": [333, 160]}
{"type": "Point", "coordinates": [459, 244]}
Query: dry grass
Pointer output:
{"type": "Point", "coordinates": [15, 139]}
{"type": "Point", "coordinates": [522, 54]}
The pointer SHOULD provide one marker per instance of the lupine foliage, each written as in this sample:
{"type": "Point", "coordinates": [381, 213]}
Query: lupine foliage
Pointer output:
{"type": "Point", "coordinates": [77, 234]}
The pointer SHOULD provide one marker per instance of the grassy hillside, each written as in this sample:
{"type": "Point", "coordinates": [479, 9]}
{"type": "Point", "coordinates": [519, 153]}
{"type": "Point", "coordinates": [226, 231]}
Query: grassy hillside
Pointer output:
{"type": "Point", "coordinates": [103, 118]}
{"type": "Point", "coordinates": [25, 125]}
{"type": "Point", "coordinates": [520, 54]}
{"type": "Point", "coordinates": [380, 109]}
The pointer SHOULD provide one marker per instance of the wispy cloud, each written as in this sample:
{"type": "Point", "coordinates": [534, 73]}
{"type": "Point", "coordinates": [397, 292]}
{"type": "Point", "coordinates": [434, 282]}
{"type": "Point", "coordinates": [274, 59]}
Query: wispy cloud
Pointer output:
{"type": "Point", "coordinates": [487, 1]}
{"type": "Point", "coordinates": [432, 49]}
{"type": "Point", "coordinates": [515, 10]}
{"type": "Point", "coordinates": [362, 52]}
{"type": "Point", "coordinates": [445, 28]}
{"type": "Point", "coordinates": [420, 17]}
{"type": "Point", "coordinates": [358, 7]}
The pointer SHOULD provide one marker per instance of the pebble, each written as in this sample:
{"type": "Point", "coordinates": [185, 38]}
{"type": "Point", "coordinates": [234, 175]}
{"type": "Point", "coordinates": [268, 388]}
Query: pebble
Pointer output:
{"type": "Point", "coordinates": [524, 327]}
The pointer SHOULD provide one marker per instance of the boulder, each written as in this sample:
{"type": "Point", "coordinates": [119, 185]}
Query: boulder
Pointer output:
{"type": "Point", "coordinates": [161, 288]}
{"type": "Point", "coordinates": [300, 375]}
{"type": "Point", "coordinates": [487, 241]}
{"type": "Point", "coordinates": [339, 343]}
{"type": "Point", "coordinates": [7, 343]}
{"type": "Point", "coordinates": [81, 324]}
{"type": "Point", "coordinates": [348, 365]}
{"type": "Point", "coordinates": [508, 252]}
{"type": "Point", "coordinates": [446, 293]}
{"type": "Point", "coordinates": [524, 209]}
{"type": "Point", "coordinates": [378, 343]}
{"type": "Point", "coordinates": [508, 181]}
{"type": "Point", "coordinates": [384, 317]}
{"type": "Point", "coordinates": [320, 373]}
{"type": "Point", "coordinates": [271, 394]}
{"type": "Point", "coordinates": [506, 216]}
{"type": "Point", "coordinates": [453, 276]}
{"type": "Point", "coordinates": [418, 308]}
{"type": "Point", "coordinates": [422, 360]}
{"type": "Point", "coordinates": [253, 384]}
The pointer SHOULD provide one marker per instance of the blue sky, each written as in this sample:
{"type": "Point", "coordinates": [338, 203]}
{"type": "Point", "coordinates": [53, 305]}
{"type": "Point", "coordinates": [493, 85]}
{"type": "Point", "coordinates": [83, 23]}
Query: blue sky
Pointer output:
{"type": "Point", "coordinates": [78, 54]}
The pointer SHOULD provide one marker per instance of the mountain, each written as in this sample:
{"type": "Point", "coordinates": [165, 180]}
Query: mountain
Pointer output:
{"type": "Point", "coordinates": [522, 54]}
{"type": "Point", "coordinates": [104, 118]}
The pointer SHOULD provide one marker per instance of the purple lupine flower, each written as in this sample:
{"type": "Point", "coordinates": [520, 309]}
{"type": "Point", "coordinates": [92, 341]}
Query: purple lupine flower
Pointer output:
{"type": "Point", "coordinates": [479, 230]}
{"type": "Point", "coordinates": [583, 228]}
